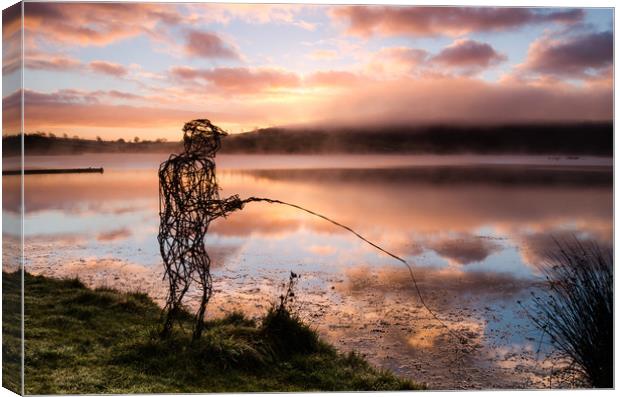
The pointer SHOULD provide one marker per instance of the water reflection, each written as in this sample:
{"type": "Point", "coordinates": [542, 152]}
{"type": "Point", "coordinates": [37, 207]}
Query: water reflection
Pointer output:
{"type": "Point", "coordinates": [474, 233]}
{"type": "Point", "coordinates": [464, 249]}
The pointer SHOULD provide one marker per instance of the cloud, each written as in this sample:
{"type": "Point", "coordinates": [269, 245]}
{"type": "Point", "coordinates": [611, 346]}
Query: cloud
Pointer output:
{"type": "Point", "coordinates": [57, 63]}
{"type": "Point", "coordinates": [454, 99]}
{"type": "Point", "coordinates": [99, 24]}
{"type": "Point", "coordinates": [208, 45]}
{"type": "Point", "coordinates": [243, 98]}
{"type": "Point", "coordinates": [110, 68]}
{"type": "Point", "coordinates": [397, 60]}
{"type": "Point", "coordinates": [468, 54]}
{"type": "Point", "coordinates": [80, 96]}
{"type": "Point", "coordinates": [574, 56]}
{"type": "Point", "coordinates": [463, 56]}
{"type": "Point", "coordinates": [285, 14]}
{"type": "Point", "coordinates": [11, 21]}
{"type": "Point", "coordinates": [241, 80]}
{"type": "Point", "coordinates": [87, 110]}
{"type": "Point", "coordinates": [95, 23]}
{"type": "Point", "coordinates": [72, 96]}
{"type": "Point", "coordinates": [11, 61]}
{"type": "Point", "coordinates": [11, 39]}
{"type": "Point", "coordinates": [37, 60]}
{"type": "Point", "coordinates": [120, 94]}
{"type": "Point", "coordinates": [411, 56]}
{"type": "Point", "coordinates": [438, 21]}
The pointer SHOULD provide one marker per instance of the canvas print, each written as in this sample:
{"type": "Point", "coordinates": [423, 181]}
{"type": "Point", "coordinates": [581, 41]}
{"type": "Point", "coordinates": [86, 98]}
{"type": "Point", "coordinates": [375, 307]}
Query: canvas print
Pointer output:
{"type": "Point", "coordinates": [218, 197]}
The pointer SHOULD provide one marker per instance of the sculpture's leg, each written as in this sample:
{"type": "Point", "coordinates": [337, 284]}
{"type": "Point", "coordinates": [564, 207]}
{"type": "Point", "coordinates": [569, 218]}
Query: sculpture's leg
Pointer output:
{"type": "Point", "coordinates": [170, 311]}
{"type": "Point", "coordinates": [207, 287]}
{"type": "Point", "coordinates": [178, 286]}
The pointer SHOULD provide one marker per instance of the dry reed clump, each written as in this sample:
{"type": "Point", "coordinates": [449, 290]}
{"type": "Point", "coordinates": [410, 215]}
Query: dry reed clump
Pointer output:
{"type": "Point", "coordinates": [283, 327]}
{"type": "Point", "coordinates": [577, 310]}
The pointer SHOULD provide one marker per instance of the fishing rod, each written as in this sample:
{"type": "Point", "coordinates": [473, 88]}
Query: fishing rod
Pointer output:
{"type": "Point", "coordinates": [398, 258]}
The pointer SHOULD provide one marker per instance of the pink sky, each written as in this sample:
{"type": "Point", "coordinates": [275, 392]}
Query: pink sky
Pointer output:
{"type": "Point", "coordinates": [125, 70]}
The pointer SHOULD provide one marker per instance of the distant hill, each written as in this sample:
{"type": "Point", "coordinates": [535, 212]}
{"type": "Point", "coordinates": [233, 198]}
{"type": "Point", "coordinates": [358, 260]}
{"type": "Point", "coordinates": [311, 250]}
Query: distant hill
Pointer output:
{"type": "Point", "coordinates": [583, 138]}
{"type": "Point", "coordinates": [37, 144]}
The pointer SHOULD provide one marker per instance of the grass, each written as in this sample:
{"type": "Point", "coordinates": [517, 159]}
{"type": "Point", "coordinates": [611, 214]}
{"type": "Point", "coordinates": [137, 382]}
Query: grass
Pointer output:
{"type": "Point", "coordinates": [577, 311]}
{"type": "Point", "coordinates": [11, 332]}
{"type": "Point", "coordinates": [87, 341]}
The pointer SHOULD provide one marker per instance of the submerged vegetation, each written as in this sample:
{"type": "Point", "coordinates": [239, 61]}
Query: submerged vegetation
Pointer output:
{"type": "Point", "coordinates": [577, 311]}
{"type": "Point", "coordinates": [80, 340]}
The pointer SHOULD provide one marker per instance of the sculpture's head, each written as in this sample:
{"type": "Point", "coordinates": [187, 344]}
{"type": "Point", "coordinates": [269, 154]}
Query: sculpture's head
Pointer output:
{"type": "Point", "coordinates": [202, 137]}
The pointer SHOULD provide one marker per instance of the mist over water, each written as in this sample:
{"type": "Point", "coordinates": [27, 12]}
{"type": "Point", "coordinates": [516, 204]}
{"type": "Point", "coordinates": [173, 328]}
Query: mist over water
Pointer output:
{"type": "Point", "coordinates": [474, 227]}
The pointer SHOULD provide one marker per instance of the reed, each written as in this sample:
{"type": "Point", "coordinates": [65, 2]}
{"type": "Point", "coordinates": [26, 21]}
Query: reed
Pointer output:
{"type": "Point", "coordinates": [577, 309]}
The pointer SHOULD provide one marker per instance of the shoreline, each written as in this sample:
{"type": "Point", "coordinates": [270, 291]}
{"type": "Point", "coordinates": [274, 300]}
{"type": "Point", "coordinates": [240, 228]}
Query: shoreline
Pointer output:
{"type": "Point", "coordinates": [389, 328]}
{"type": "Point", "coordinates": [82, 340]}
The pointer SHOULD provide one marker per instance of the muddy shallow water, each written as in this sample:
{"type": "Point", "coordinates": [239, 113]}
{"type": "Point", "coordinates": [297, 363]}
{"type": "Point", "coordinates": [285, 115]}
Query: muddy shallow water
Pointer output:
{"type": "Point", "coordinates": [475, 227]}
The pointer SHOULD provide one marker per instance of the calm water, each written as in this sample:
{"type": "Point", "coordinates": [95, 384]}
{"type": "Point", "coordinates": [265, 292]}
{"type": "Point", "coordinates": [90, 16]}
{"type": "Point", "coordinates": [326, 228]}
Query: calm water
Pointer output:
{"type": "Point", "coordinates": [474, 226]}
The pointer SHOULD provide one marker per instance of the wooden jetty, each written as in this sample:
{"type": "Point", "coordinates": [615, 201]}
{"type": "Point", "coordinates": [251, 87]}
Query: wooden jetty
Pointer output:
{"type": "Point", "coordinates": [89, 170]}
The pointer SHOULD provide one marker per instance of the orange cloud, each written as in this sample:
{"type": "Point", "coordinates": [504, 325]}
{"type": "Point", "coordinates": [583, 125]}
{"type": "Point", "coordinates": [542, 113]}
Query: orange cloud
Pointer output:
{"type": "Point", "coordinates": [463, 56]}
{"type": "Point", "coordinates": [118, 94]}
{"type": "Point", "coordinates": [72, 108]}
{"type": "Point", "coordinates": [208, 45]}
{"type": "Point", "coordinates": [60, 63]}
{"type": "Point", "coordinates": [95, 23]}
{"type": "Point", "coordinates": [113, 69]}
{"type": "Point", "coordinates": [411, 56]}
{"type": "Point", "coordinates": [11, 21]}
{"type": "Point", "coordinates": [581, 56]}
{"type": "Point", "coordinates": [37, 60]}
{"type": "Point", "coordinates": [468, 53]}
{"type": "Point", "coordinates": [11, 39]}
{"type": "Point", "coordinates": [239, 79]}
{"type": "Point", "coordinates": [248, 97]}
{"type": "Point", "coordinates": [395, 61]}
{"type": "Point", "coordinates": [98, 113]}
{"type": "Point", "coordinates": [463, 99]}
{"type": "Point", "coordinates": [436, 21]}
{"type": "Point", "coordinates": [250, 13]}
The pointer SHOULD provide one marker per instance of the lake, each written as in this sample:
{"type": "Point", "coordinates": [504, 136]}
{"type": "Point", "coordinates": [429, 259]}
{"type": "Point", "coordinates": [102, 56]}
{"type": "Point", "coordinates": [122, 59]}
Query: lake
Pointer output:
{"type": "Point", "coordinates": [474, 227]}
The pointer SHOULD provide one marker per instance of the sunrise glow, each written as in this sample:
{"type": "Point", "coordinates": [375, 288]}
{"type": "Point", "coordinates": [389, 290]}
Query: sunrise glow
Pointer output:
{"type": "Point", "coordinates": [140, 69]}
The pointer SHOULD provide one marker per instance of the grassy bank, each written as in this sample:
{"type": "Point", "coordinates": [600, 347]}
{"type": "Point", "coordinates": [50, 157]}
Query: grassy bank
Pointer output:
{"type": "Point", "coordinates": [80, 340]}
{"type": "Point", "coordinates": [11, 332]}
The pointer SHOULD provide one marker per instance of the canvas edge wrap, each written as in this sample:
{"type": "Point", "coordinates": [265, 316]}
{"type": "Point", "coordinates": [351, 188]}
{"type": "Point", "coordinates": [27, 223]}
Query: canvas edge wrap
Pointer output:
{"type": "Point", "coordinates": [13, 201]}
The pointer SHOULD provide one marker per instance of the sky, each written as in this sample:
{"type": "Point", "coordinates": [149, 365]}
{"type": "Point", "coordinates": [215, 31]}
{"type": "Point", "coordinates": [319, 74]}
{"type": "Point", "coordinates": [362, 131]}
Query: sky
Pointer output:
{"type": "Point", "coordinates": [143, 69]}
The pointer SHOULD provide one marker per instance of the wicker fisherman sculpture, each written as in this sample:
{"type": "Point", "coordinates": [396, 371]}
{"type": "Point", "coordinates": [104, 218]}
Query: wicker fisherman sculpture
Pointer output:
{"type": "Point", "coordinates": [188, 201]}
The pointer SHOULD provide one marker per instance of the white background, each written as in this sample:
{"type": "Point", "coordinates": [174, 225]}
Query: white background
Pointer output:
{"type": "Point", "coordinates": [556, 3]}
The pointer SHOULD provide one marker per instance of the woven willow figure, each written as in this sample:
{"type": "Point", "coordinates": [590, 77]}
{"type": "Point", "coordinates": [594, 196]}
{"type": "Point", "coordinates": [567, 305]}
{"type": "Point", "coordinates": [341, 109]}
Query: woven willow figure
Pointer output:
{"type": "Point", "coordinates": [188, 201]}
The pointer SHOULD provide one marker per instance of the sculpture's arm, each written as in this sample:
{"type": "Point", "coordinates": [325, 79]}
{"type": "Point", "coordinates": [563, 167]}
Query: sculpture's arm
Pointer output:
{"type": "Point", "coordinates": [225, 206]}
{"type": "Point", "coordinates": [166, 187]}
